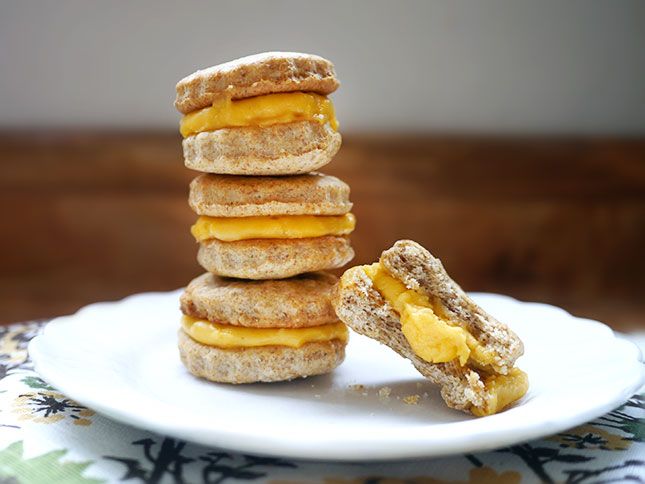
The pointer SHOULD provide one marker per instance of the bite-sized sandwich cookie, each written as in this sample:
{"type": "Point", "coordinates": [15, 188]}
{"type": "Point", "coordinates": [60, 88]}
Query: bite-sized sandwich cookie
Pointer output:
{"type": "Point", "coordinates": [267, 227]}
{"type": "Point", "coordinates": [408, 302]}
{"type": "Point", "coordinates": [265, 114]}
{"type": "Point", "coordinates": [260, 331]}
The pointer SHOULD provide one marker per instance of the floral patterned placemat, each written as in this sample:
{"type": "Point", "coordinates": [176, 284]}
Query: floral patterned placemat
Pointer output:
{"type": "Point", "coordinates": [48, 438]}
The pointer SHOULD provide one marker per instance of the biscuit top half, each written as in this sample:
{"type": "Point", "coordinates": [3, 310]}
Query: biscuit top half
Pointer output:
{"type": "Point", "coordinates": [255, 75]}
{"type": "Point", "coordinates": [298, 302]}
{"type": "Point", "coordinates": [244, 196]}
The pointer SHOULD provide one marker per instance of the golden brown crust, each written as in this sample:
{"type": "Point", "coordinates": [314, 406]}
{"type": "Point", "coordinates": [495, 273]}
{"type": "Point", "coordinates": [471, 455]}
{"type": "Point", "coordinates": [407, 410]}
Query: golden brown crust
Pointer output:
{"type": "Point", "coordinates": [260, 364]}
{"type": "Point", "coordinates": [299, 302]}
{"type": "Point", "coordinates": [279, 149]}
{"type": "Point", "coordinates": [274, 258]}
{"type": "Point", "coordinates": [418, 269]}
{"type": "Point", "coordinates": [245, 196]}
{"type": "Point", "coordinates": [255, 75]}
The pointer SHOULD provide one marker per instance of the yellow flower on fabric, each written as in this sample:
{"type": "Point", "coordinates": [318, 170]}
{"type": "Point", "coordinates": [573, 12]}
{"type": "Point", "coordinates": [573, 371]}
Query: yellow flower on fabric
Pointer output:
{"type": "Point", "coordinates": [49, 407]}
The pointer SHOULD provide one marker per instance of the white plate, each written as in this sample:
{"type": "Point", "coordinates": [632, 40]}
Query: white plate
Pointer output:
{"type": "Point", "coordinates": [120, 359]}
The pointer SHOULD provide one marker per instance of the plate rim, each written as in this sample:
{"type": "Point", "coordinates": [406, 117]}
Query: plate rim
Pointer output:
{"type": "Point", "coordinates": [281, 447]}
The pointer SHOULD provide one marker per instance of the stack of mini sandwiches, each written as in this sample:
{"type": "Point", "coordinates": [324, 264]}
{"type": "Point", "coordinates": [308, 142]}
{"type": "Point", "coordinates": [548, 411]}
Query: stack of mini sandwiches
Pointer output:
{"type": "Point", "coordinates": [268, 224]}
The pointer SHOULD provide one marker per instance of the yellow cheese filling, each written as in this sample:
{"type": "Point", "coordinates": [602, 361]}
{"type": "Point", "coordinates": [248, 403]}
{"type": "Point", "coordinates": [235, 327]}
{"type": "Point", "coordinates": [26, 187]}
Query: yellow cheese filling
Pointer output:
{"type": "Point", "coordinates": [229, 229]}
{"type": "Point", "coordinates": [260, 111]}
{"type": "Point", "coordinates": [436, 339]}
{"type": "Point", "coordinates": [228, 336]}
{"type": "Point", "coordinates": [501, 391]}
{"type": "Point", "coordinates": [432, 337]}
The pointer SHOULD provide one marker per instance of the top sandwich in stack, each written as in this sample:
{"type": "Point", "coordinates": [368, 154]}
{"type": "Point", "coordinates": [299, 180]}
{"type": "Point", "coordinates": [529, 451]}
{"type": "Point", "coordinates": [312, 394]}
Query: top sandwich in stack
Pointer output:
{"type": "Point", "coordinates": [265, 114]}
{"type": "Point", "coordinates": [257, 127]}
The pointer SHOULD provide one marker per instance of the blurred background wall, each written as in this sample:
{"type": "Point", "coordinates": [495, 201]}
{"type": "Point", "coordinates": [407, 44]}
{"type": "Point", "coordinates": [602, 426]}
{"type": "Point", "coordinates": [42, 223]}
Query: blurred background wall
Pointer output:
{"type": "Point", "coordinates": [480, 66]}
{"type": "Point", "coordinates": [508, 137]}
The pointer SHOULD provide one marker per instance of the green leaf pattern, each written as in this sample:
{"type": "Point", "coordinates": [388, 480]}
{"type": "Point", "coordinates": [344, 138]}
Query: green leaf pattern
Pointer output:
{"type": "Point", "coordinates": [45, 468]}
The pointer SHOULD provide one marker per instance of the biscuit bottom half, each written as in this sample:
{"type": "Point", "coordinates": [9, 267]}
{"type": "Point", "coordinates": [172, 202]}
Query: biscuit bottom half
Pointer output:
{"type": "Point", "coordinates": [231, 354]}
{"type": "Point", "coordinates": [279, 149]}
{"type": "Point", "coordinates": [273, 247]}
{"type": "Point", "coordinates": [274, 258]}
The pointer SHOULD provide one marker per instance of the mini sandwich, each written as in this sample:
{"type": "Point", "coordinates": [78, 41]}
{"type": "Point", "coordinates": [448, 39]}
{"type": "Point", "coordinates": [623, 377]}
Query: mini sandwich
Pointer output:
{"type": "Point", "coordinates": [266, 114]}
{"type": "Point", "coordinates": [408, 302]}
{"type": "Point", "coordinates": [260, 331]}
{"type": "Point", "coordinates": [265, 227]}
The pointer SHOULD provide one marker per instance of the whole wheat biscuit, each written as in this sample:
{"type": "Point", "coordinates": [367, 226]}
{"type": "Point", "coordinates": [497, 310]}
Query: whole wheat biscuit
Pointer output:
{"type": "Point", "coordinates": [255, 75]}
{"type": "Point", "coordinates": [279, 149]}
{"type": "Point", "coordinates": [246, 196]}
{"type": "Point", "coordinates": [299, 302]}
{"type": "Point", "coordinates": [274, 258]}
{"type": "Point", "coordinates": [259, 364]}
{"type": "Point", "coordinates": [360, 305]}
{"type": "Point", "coordinates": [363, 309]}
{"type": "Point", "coordinates": [418, 269]}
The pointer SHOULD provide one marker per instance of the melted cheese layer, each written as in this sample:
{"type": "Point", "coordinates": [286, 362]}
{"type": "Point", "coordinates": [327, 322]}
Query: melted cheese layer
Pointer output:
{"type": "Point", "coordinates": [501, 391]}
{"type": "Point", "coordinates": [432, 336]}
{"type": "Point", "coordinates": [260, 111]}
{"type": "Point", "coordinates": [230, 229]}
{"type": "Point", "coordinates": [228, 336]}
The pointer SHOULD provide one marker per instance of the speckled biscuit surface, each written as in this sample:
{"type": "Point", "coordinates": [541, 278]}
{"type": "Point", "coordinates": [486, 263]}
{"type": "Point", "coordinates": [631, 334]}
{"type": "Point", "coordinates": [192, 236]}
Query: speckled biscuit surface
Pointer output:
{"type": "Point", "coordinates": [274, 258]}
{"type": "Point", "coordinates": [364, 310]}
{"type": "Point", "coordinates": [359, 305]}
{"type": "Point", "coordinates": [418, 269]}
{"type": "Point", "coordinates": [260, 364]}
{"type": "Point", "coordinates": [245, 196]}
{"type": "Point", "coordinates": [299, 302]}
{"type": "Point", "coordinates": [255, 75]}
{"type": "Point", "coordinates": [279, 149]}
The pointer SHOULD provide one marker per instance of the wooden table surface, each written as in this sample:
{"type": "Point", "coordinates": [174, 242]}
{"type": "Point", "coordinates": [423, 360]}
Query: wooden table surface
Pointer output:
{"type": "Point", "coordinates": [91, 216]}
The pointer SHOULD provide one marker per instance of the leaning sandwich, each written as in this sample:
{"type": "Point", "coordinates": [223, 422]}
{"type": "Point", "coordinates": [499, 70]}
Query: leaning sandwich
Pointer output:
{"type": "Point", "coordinates": [408, 302]}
